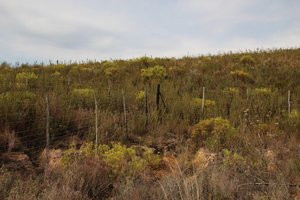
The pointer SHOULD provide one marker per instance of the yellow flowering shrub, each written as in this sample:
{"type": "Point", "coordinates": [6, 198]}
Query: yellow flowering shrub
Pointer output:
{"type": "Point", "coordinates": [215, 133]}
{"type": "Point", "coordinates": [140, 95]}
{"type": "Point", "coordinates": [247, 60]}
{"type": "Point", "coordinates": [241, 75]}
{"type": "Point", "coordinates": [120, 159]}
{"type": "Point", "coordinates": [157, 72]}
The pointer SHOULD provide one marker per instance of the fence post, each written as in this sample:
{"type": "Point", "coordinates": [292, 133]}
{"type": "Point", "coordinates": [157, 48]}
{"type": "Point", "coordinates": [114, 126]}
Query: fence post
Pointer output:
{"type": "Point", "coordinates": [125, 115]}
{"type": "Point", "coordinates": [146, 106]}
{"type": "Point", "coordinates": [157, 96]}
{"type": "Point", "coordinates": [47, 126]}
{"type": "Point", "coordinates": [289, 102]}
{"type": "Point", "coordinates": [96, 119]}
{"type": "Point", "coordinates": [47, 137]}
{"type": "Point", "coordinates": [203, 101]}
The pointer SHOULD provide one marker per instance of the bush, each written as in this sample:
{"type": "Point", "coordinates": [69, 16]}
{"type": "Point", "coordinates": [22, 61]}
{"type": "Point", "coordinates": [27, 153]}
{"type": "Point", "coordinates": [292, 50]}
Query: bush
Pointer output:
{"type": "Point", "coordinates": [247, 60]}
{"type": "Point", "coordinates": [121, 160]}
{"type": "Point", "coordinates": [140, 96]}
{"type": "Point", "coordinates": [242, 75]}
{"type": "Point", "coordinates": [294, 119]}
{"type": "Point", "coordinates": [82, 98]}
{"type": "Point", "coordinates": [232, 159]}
{"type": "Point", "coordinates": [232, 91]}
{"type": "Point", "coordinates": [24, 79]}
{"type": "Point", "coordinates": [215, 133]}
{"type": "Point", "coordinates": [157, 73]}
{"type": "Point", "coordinates": [83, 178]}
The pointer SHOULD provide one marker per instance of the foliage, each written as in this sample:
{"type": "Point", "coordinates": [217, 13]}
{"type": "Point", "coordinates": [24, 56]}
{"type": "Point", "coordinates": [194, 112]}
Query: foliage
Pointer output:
{"type": "Point", "coordinates": [110, 71]}
{"type": "Point", "coordinates": [140, 95]}
{"type": "Point", "coordinates": [207, 102]}
{"type": "Point", "coordinates": [215, 133]}
{"type": "Point", "coordinates": [83, 98]}
{"type": "Point", "coordinates": [241, 75]}
{"type": "Point", "coordinates": [232, 159]}
{"type": "Point", "coordinates": [247, 60]}
{"type": "Point", "coordinates": [23, 79]}
{"type": "Point", "coordinates": [294, 118]}
{"type": "Point", "coordinates": [231, 91]}
{"type": "Point", "coordinates": [120, 159]}
{"type": "Point", "coordinates": [263, 92]}
{"type": "Point", "coordinates": [157, 73]}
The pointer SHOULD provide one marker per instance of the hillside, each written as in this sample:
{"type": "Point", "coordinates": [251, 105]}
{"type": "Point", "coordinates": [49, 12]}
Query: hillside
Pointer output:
{"type": "Point", "coordinates": [209, 127]}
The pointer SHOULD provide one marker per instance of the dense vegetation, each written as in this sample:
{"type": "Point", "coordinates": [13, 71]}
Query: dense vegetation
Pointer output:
{"type": "Point", "coordinates": [210, 127]}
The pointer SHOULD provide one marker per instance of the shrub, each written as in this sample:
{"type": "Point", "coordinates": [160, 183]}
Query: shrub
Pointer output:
{"type": "Point", "coordinates": [121, 160]}
{"type": "Point", "coordinates": [82, 98]}
{"type": "Point", "coordinates": [294, 119]}
{"type": "Point", "coordinates": [177, 71]}
{"type": "Point", "coordinates": [209, 107]}
{"type": "Point", "coordinates": [157, 73]}
{"type": "Point", "coordinates": [232, 159]}
{"type": "Point", "coordinates": [263, 91]}
{"type": "Point", "coordinates": [197, 102]}
{"type": "Point", "coordinates": [215, 133]}
{"type": "Point", "coordinates": [83, 178]}
{"type": "Point", "coordinates": [110, 71]}
{"type": "Point", "coordinates": [24, 78]}
{"type": "Point", "coordinates": [231, 91]}
{"type": "Point", "coordinates": [242, 75]}
{"type": "Point", "coordinates": [247, 60]}
{"type": "Point", "coordinates": [140, 96]}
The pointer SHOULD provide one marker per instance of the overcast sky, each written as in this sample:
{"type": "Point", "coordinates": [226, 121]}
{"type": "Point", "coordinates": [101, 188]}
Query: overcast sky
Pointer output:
{"type": "Point", "coordinates": [103, 29]}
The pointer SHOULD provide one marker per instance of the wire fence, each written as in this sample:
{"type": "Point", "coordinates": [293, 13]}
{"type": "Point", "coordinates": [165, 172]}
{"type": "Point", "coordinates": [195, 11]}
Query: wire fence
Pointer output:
{"type": "Point", "coordinates": [34, 136]}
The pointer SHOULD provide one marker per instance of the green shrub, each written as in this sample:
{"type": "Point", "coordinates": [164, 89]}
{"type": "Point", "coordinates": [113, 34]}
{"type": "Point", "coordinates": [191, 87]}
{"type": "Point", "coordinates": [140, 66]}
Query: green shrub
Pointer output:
{"type": "Point", "coordinates": [242, 75]}
{"type": "Point", "coordinates": [82, 98]}
{"type": "Point", "coordinates": [197, 102]}
{"type": "Point", "coordinates": [214, 133]}
{"type": "Point", "coordinates": [140, 96]}
{"type": "Point", "coordinates": [121, 160]}
{"type": "Point", "coordinates": [110, 71]}
{"type": "Point", "coordinates": [24, 79]}
{"type": "Point", "coordinates": [15, 105]}
{"type": "Point", "coordinates": [210, 107]}
{"type": "Point", "coordinates": [247, 60]}
{"type": "Point", "coordinates": [294, 118]}
{"type": "Point", "coordinates": [232, 159]}
{"type": "Point", "coordinates": [263, 91]}
{"type": "Point", "coordinates": [231, 91]}
{"type": "Point", "coordinates": [156, 73]}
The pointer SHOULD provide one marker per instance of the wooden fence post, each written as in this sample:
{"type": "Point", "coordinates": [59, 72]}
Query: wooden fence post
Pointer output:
{"type": "Point", "coordinates": [146, 107]}
{"type": "Point", "coordinates": [203, 101]}
{"type": "Point", "coordinates": [96, 120]}
{"type": "Point", "coordinates": [289, 102]}
{"type": "Point", "coordinates": [47, 126]}
{"type": "Point", "coordinates": [125, 115]}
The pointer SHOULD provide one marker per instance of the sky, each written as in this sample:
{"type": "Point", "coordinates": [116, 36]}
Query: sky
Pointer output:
{"type": "Point", "coordinates": [78, 30]}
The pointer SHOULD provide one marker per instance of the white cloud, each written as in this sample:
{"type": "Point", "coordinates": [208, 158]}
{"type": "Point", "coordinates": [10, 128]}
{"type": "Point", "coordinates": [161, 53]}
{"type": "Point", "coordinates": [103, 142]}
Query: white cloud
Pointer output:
{"type": "Point", "coordinates": [75, 29]}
